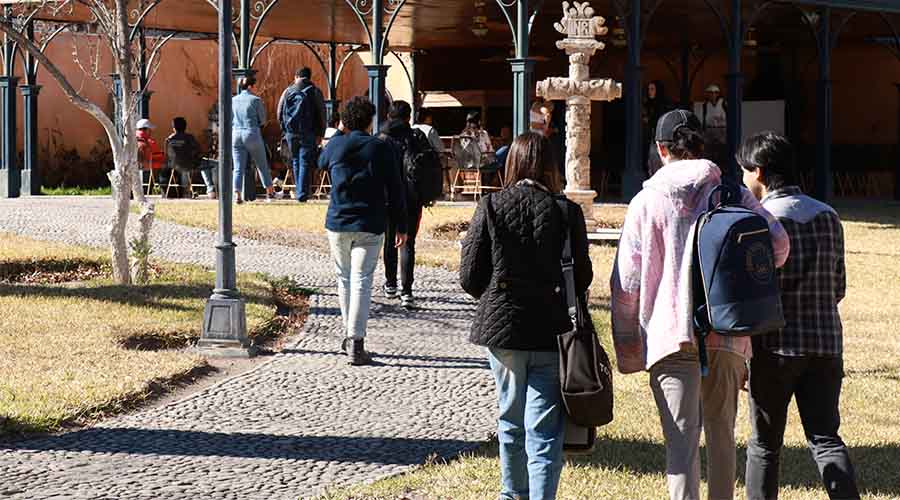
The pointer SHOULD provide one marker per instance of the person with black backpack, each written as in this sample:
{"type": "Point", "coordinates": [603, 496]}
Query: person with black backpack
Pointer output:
{"type": "Point", "coordinates": [652, 311]}
{"type": "Point", "coordinates": [803, 360]}
{"type": "Point", "coordinates": [301, 113]}
{"type": "Point", "coordinates": [420, 163]}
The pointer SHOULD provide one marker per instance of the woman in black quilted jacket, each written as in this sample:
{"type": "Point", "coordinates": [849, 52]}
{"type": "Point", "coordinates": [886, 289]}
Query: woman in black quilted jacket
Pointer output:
{"type": "Point", "coordinates": [511, 264]}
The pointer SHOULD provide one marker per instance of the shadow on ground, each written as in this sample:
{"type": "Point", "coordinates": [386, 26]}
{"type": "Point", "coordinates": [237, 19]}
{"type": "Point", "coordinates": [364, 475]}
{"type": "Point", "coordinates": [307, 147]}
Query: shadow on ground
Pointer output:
{"type": "Point", "coordinates": [347, 449]}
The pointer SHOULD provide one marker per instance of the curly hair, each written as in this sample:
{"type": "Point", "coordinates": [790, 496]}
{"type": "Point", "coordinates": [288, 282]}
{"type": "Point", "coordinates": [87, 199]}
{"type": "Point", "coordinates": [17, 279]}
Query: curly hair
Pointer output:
{"type": "Point", "coordinates": [358, 113]}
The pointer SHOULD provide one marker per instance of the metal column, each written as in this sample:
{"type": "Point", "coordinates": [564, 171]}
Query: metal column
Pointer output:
{"type": "Point", "coordinates": [224, 318]}
{"type": "Point", "coordinates": [143, 77]}
{"type": "Point", "coordinates": [377, 70]}
{"type": "Point", "coordinates": [523, 72]}
{"type": "Point", "coordinates": [31, 175]}
{"type": "Point", "coordinates": [10, 176]}
{"type": "Point", "coordinates": [824, 178]}
{"type": "Point", "coordinates": [117, 103]}
{"type": "Point", "coordinates": [633, 175]}
{"type": "Point", "coordinates": [735, 97]}
{"type": "Point", "coordinates": [332, 104]}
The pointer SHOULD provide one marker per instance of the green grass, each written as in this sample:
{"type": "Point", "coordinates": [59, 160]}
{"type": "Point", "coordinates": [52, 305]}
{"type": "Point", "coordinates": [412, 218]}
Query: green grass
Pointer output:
{"type": "Point", "coordinates": [629, 461]}
{"type": "Point", "coordinates": [76, 191]}
{"type": "Point", "coordinates": [77, 350]}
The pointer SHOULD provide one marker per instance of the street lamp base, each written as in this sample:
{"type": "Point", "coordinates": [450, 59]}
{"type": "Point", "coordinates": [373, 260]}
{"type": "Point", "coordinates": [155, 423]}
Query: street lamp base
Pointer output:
{"type": "Point", "coordinates": [225, 330]}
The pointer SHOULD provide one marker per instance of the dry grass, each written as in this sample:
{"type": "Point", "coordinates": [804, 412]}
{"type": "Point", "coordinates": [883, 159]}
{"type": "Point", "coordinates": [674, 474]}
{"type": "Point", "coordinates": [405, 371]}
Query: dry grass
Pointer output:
{"type": "Point", "coordinates": [293, 224]}
{"type": "Point", "coordinates": [63, 354]}
{"type": "Point", "coordinates": [630, 457]}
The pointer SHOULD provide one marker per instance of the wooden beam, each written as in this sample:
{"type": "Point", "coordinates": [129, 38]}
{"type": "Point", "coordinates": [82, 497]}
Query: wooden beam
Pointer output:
{"type": "Point", "coordinates": [870, 5]}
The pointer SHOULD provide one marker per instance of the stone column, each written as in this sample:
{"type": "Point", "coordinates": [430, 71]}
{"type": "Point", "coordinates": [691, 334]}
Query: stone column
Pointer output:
{"type": "Point", "coordinates": [10, 176]}
{"type": "Point", "coordinates": [31, 175]}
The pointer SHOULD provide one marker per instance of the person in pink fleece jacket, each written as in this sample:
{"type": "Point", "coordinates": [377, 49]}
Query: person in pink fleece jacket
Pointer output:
{"type": "Point", "coordinates": [652, 312]}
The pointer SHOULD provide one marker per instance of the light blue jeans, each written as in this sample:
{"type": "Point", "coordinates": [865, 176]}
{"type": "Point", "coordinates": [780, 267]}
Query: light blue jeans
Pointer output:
{"type": "Point", "coordinates": [210, 178]}
{"type": "Point", "coordinates": [249, 142]}
{"type": "Point", "coordinates": [355, 256]}
{"type": "Point", "coordinates": [531, 423]}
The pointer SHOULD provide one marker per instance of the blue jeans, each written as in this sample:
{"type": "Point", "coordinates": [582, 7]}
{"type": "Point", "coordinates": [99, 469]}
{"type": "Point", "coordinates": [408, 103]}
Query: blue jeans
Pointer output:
{"type": "Point", "coordinates": [249, 142]}
{"type": "Point", "coordinates": [303, 162]}
{"type": "Point", "coordinates": [531, 422]}
{"type": "Point", "coordinates": [355, 256]}
{"type": "Point", "coordinates": [210, 178]}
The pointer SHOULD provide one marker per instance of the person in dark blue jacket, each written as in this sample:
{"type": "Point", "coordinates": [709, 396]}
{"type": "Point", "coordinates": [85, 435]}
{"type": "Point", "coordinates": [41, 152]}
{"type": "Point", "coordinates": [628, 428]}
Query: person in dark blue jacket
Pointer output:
{"type": "Point", "coordinates": [366, 184]}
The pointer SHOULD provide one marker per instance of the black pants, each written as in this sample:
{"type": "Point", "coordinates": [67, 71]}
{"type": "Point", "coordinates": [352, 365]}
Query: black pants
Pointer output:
{"type": "Point", "coordinates": [407, 252]}
{"type": "Point", "coordinates": [816, 383]}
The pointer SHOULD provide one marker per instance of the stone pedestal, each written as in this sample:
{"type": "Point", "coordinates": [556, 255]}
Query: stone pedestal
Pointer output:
{"type": "Point", "coordinates": [225, 330]}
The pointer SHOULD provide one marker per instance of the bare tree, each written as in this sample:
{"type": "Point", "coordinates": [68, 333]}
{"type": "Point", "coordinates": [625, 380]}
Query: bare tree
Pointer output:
{"type": "Point", "coordinates": [110, 17]}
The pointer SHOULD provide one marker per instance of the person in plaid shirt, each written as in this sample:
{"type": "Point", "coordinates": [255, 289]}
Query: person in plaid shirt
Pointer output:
{"type": "Point", "coordinates": [804, 359]}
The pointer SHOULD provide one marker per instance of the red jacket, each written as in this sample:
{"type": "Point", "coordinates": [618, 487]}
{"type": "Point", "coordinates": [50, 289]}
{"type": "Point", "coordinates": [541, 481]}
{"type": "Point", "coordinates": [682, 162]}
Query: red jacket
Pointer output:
{"type": "Point", "coordinates": [150, 155]}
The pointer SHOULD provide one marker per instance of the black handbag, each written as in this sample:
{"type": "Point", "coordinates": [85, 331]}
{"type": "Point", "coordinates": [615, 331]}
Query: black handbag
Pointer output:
{"type": "Point", "coordinates": [585, 374]}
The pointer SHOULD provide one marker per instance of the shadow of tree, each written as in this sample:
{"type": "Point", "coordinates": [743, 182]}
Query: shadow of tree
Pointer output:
{"type": "Point", "coordinates": [153, 295]}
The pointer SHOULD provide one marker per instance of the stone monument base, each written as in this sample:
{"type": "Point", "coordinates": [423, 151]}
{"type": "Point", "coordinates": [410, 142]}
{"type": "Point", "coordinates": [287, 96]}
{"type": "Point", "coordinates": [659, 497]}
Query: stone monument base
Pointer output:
{"type": "Point", "coordinates": [585, 199]}
{"type": "Point", "coordinates": [225, 330]}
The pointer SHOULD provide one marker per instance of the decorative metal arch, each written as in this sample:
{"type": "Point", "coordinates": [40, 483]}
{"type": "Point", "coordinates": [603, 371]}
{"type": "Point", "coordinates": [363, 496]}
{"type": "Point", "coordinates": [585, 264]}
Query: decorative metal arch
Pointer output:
{"type": "Point", "coordinates": [31, 64]}
{"type": "Point", "coordinates": [506, 7]}
{"type": "Point", "coordinates": [366, 8]}
{"type": "Point", "coordinates": [409, 77]}
{"type": "Point", "coordinates": [350, 53]}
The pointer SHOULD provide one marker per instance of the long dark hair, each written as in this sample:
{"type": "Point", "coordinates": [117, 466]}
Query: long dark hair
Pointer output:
{"type": "Point", "coordinates": [531, 157]}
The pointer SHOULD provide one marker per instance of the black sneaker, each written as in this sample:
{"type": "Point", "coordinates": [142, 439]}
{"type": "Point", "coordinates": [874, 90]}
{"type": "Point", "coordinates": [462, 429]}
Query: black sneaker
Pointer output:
{"type": "Point", "coordinates": [390, 292]}
{"type": "Point", "coordinates": [407, 301]}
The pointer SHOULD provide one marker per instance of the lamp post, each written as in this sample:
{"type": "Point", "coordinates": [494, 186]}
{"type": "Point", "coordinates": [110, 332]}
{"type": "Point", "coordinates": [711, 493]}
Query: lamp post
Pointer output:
{"type": "Point", "coordinates": [224, 318]}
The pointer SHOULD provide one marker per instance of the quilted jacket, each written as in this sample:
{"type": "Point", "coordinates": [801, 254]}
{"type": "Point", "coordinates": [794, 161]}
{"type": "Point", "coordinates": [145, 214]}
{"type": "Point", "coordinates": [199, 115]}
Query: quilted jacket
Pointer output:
{"type": "Point", "coordinates": [511, 263]}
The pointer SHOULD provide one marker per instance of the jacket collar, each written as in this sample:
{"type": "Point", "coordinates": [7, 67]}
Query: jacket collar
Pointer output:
{"type": "Point", "coordinates": [782, 193]}
{"type": "Point", "coordinates": [534, 184]}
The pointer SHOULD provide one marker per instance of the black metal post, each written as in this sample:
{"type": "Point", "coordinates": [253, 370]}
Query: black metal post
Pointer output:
{"type": "Point", "coordinates": [735, 88]}
{"type": "Point", "coordinates": [633, 175]}
{"type": "Point", "coordinates": [143, 77]}
{"type": "Point", "coordinates": [31, 174]}
{"type": "Point", "coordinates": [224, 318]}
{"type": "Point", "coordinates": [686, 74]}
{"type": "Point", "coordinates": [824, 177]}
{"type": "Point", "coordinates": [10, 176]}
{"type": "Point", "coordinates": [377, 70]}
{"type": "Point", "coordinates": [332, 104]}
{"type": "Point", "coordinates": [523, 71]}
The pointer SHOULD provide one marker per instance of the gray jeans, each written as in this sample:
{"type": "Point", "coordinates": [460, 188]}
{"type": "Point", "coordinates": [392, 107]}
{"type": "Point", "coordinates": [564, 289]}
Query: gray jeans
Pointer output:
{"type": "Point", "coordinates": [355, 256]}
{"type": "Point", "coordinates": [688, 402]}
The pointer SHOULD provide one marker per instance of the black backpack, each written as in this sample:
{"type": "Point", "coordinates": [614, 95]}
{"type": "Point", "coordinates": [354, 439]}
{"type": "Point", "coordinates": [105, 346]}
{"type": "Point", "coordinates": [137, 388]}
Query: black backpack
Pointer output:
{"type": "Point", "coordinates": [735, 288]}
{"type": "Point", "coordinates": [297, 111]}
{"type": "Point", "coordinates": [423, 168]}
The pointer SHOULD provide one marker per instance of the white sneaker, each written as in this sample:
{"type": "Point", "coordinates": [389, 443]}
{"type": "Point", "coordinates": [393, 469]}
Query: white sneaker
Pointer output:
{"type": "Point", "coordinates": [407, 301]}
{"type": "Point", "coordinates": [390, 292]}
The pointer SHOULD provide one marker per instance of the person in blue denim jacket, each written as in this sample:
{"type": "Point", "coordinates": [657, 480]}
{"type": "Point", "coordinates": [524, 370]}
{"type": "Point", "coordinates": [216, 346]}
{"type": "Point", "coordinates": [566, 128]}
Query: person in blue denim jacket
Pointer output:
{"type": "Point", "coordinates": [248, 117]}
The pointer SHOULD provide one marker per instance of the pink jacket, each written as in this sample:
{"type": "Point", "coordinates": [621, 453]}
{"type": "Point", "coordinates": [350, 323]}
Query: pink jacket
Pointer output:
{"type": "Point", "coordinates": [651, 279]}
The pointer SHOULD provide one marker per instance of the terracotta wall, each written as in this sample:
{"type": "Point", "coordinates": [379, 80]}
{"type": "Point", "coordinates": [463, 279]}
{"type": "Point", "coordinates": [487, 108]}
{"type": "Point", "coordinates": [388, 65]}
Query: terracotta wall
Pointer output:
{"type": "Point", "coordinates": [184, 85]}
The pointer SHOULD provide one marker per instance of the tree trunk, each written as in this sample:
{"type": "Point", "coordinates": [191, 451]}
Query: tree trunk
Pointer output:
{"type": "Point", "coordinates": [118, 224]}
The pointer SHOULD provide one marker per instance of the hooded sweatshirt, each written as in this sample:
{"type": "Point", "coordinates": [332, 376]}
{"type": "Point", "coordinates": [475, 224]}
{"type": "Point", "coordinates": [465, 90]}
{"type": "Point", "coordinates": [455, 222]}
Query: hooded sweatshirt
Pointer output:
{"type": "Point", "coordinates": [651, 280]}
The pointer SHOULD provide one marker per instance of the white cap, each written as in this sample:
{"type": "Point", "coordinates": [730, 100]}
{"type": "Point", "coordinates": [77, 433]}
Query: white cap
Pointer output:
{"type": "Point", "coordinates": [714, 88]}
{"type": "Point", "coordinates": [144, 123]}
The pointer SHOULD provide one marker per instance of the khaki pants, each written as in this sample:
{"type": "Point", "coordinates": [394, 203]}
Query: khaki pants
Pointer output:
{"type": "Point", "coordinates": [678, 390]}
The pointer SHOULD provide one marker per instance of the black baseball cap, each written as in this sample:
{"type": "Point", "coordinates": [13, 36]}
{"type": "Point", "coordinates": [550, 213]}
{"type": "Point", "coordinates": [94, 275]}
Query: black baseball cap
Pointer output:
{"type": "Point", "coordinates": [672, 121]}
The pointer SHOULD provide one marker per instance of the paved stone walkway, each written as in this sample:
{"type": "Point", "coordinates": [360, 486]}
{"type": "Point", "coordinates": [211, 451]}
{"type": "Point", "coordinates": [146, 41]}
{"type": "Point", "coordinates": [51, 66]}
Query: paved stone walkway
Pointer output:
{"type": "Point", "coordinates": [292, 426]}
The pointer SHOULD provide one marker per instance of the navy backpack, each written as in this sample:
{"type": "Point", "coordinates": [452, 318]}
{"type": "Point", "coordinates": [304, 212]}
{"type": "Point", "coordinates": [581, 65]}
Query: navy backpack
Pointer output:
{"type": "Point", "coordinates": [735, 288]}
{"type": "Point", "coordinates": [297, 112]}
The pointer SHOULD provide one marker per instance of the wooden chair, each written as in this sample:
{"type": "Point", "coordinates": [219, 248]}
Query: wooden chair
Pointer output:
{"type": "Point", "coordinates": [176, 180]}
{"type": "Point", "coordinates": [323, 186]}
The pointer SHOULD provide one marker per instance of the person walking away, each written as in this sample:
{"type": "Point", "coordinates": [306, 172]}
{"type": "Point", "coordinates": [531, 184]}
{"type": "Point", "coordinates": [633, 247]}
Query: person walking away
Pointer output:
{"type": "Point", "coordinates": [366, 184]}
{"type": "Point", "coordinates": [652, 328]}
{"type": "Point", "coordinates": [301, 113]}
{"type": "Point", "coordinates": [425, 123]}
{"type": "Point", "coordinates": [248, 117]}
{"type": "Point", "coordinates": [805, 359]}
{"type": "Point", "coordinates": [510, 262]}
{"type": "Point", "coordinates": [334, 125]}
{"type": "Point", "coordinates": [183, 155]}
{"type": "Point", "coordinates": [150, 156]}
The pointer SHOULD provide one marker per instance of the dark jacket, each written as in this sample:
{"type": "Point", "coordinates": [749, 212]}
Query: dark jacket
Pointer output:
{"type": "Point", "coordinates": [366, 183]}
{"type": "Point", "coordinates": [398, 134]}
{"type": "Point", "coordinates": [511, 263]}
{"type": "Point", "coordinates": [182, 151]}
{"type": "Point", "coordinates": [319, 122]}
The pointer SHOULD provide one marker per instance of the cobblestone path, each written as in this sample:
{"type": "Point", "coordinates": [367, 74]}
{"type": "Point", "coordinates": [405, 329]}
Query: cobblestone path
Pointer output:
{"type": "Point", "coordinates": [300, 422]}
